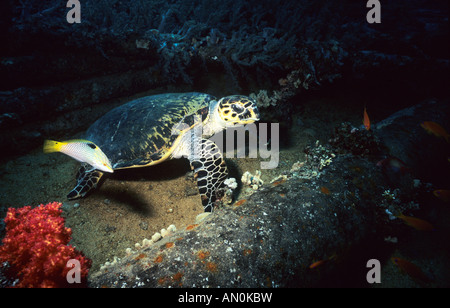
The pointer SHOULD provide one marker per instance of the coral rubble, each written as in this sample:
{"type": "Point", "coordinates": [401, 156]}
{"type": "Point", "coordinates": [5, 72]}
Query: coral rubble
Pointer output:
{"type": "Point", "coordinates": [349, 139]}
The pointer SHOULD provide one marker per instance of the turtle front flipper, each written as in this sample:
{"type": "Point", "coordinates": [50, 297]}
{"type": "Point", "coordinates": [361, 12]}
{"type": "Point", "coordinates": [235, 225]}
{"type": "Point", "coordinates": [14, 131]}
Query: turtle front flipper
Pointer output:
{"type": "Point", "coordinates": [209, 168]}
{"type": "Point", "coordinates": [87, 179]}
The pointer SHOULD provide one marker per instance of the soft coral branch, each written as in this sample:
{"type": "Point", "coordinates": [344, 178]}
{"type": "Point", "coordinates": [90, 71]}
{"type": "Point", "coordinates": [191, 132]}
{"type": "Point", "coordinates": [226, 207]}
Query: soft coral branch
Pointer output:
{"type": "Point", "coordinates": [35, 249]}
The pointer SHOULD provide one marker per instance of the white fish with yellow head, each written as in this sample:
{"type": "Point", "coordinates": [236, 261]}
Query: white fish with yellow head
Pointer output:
{"type": "Point", "coordinates": [82, 150]}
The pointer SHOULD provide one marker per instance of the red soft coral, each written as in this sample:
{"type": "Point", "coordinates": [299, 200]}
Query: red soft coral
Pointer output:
{"type": "Point", "coordinates": [35, 247]}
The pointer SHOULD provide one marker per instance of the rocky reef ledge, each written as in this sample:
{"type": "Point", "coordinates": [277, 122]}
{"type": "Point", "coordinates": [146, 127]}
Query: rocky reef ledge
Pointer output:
{"type": "Point", "coordinates": [267, 241]}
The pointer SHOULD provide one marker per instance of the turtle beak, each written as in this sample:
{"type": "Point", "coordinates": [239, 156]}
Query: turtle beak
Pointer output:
{"type": "Point", "coordinates": [254, 116]}
{"type": "Point", "coordinates": [255, 113]}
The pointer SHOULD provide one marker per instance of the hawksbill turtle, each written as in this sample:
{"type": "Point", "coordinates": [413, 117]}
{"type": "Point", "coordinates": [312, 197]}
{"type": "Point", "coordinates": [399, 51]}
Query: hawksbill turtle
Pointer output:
{"type": "Point", "coordinates": [152, 129]}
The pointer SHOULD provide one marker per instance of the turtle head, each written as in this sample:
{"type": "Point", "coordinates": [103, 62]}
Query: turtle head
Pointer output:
{"type": "Point", "coordinates": [238, 109]}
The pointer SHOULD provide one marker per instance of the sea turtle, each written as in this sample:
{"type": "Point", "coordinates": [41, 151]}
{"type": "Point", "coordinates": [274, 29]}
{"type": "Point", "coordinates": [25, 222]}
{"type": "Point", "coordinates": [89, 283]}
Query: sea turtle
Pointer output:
{"type": "Point", "coordinates": [151, 129]}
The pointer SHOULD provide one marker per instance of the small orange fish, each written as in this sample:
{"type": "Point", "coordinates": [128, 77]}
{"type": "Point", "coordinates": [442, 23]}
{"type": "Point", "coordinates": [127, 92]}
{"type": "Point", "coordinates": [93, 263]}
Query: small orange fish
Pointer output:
{"type": "Point", "coordinates": [325, 190]}
{"type": "Point", "coordinates": [366, 121]}
{"type": "Point", "coordinates": [443, 194]}
{"type": "Point", "coordinates": [323, 261]}
{"type": "Point", "coordinates": [279, 182]}
{"type": "Point", "coordinates": [417, 223]}
{"type": "Point", "coordinates": [240, 202]}
{"type": "Point", "coordinates": [435, 129]}
{"type": "Point", "coordinates": [411, 269]}
{"type": "Point", "coordinates": [317, 263]}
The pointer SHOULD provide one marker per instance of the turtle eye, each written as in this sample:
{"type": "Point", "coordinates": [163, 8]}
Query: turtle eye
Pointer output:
{"type": "Point", "coordinates": [237, 108]}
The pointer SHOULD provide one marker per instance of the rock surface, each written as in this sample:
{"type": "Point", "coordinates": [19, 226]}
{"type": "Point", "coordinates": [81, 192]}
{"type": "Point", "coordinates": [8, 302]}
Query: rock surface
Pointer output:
{"type": "Point", "coordinates": [405, 139]}
{"type": "Point", "coordinates": [269, 240]}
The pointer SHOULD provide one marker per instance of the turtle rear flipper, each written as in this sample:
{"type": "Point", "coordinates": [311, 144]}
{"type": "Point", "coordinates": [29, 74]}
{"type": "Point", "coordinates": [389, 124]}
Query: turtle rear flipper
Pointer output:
{"type": "Point", "coordinates": [209, 170]}
{"type": "Point", "coordinates": [87, 179]}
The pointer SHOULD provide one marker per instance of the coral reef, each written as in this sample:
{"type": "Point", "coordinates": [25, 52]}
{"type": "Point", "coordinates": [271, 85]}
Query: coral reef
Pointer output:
{"type": "Point", "coordinates": [274, 49]}
{"type": "Point", "coordinates": [349, 139]}
{"type": "Point", "coordinates": [35, 250]}
{"type": "Point", "coordinates": [268, 242]}
{"type": "Point", "coordinates": [230, 185]}
{"type": "Point", "coordinates": [252, 180]}
{"type": "Point", "coordinates": [318, 156]}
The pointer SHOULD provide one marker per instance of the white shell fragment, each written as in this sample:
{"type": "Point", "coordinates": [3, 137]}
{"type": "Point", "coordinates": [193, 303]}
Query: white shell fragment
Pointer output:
{"type": "Point", "coordinates": [156, 237]}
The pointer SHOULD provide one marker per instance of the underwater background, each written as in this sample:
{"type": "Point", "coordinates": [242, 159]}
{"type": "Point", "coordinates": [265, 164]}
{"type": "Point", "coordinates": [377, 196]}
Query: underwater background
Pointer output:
{"type": "Point", "coordinates": [363, 169]}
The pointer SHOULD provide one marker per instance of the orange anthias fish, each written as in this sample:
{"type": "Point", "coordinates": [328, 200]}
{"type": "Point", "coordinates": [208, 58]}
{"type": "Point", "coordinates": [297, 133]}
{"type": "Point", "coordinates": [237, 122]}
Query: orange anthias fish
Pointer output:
{"type": "Point", "coordinates": [443, 194]}
{"type": "Point", "coordinates": [435, 129]}
{"type": "Point", "coordinates": [411, 269]}
{"type": "Point", "coordinates": [417, 223]}
{"type": "Point", "coordinates": [325, 190]}
{"type": "Point", "coordinates": [317, 263]}
{"type": "Point", "coordinates": [323, 261]}
{"type": "Point", "coordinates": [366, 120]}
